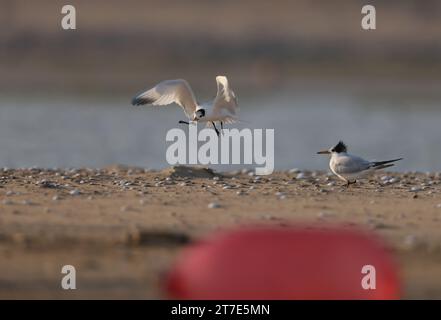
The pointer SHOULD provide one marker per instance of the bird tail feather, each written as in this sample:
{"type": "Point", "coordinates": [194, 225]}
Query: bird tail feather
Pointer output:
{"type": "Point", "coordinates": [384, 164]}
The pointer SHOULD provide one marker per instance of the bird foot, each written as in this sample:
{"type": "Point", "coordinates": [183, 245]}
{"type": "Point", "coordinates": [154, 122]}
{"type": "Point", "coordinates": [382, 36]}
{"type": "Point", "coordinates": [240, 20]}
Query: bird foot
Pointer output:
{"type": "Point", "coordinates": [348, 183]}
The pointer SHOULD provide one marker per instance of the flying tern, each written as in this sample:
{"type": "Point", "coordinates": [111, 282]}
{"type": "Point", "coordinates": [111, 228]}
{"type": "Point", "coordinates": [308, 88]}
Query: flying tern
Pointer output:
{"type": "Point", "coordinates": [223, 109]}
{"type": "Point", "coordinates": [349, 167]}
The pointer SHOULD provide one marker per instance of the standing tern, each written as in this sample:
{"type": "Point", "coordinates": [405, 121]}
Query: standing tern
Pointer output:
{"type": "Point", "coordinates": [222, 109]}
{"type": "Point", "coordinates": [349, 167]}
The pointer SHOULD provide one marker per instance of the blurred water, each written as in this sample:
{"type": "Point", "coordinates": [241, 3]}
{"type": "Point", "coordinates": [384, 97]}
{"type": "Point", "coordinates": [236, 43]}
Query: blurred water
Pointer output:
{"type": "Point", "coordinates": [74, 132]}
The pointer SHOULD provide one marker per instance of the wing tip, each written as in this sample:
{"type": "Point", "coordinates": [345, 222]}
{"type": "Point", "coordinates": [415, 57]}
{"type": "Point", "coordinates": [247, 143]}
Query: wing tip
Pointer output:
{"type": "Point", "coordinates": [138, 101]}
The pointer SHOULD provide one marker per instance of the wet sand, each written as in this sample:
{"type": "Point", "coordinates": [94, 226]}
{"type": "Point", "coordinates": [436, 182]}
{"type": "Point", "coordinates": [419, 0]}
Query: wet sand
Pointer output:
{"type": "Point", "coordinates": [123, 227]}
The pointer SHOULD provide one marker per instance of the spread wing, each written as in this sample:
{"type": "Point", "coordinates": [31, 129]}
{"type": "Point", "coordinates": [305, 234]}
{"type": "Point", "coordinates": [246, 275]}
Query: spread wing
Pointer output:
{"type": "Point", "coordinates": [225, 101]}
{"type": "Point", "coordinates": [167, 92]}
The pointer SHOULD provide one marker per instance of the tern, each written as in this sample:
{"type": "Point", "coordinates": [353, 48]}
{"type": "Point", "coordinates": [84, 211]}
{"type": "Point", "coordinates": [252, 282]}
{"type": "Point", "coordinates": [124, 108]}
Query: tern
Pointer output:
{"type": "Point", "coordinates": [222, 109]}
{"type": "Point", "coordinates": [349, 167]}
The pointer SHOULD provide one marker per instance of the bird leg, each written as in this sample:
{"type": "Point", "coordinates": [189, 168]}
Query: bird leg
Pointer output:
{"type": "Point", "coordinates": [217, 131]}
{"type": "Point", "coordinates": [222, 128]}
{"type": "Point", "coordinates": [348, 183]}
{"type": "Point", "coordinates": [185, 122]}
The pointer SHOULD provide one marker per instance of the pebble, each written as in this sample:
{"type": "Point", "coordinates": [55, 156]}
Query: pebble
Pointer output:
{"type": "Point", "coordinates": [124, 209]}
{"type": "Point", "coordinates": [415, 189]}
{"type": "Point", "coordinates": [7, 202]}
{"type": "Point", "coordinates": [214, 205]}
{"type": "Point", "coordinates": [394, 180]}
{"type": "Point", "coordinates": [324, 214]}
{"type": "Point", "coordinates": [294, 170]}
{"type": "Point", "coordinates": [300, 176]}
{"type": "Point", "coordinates": [55, 198]}
{"type": "Point", "coordinates": [75, 192]}
{"type": "Point", "coordinates": [410, 241]}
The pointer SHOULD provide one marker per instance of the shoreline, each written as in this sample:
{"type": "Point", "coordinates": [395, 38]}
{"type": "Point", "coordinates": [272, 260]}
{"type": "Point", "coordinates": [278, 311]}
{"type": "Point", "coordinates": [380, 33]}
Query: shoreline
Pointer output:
{"type": "Point", "coordinates": [122, 227]}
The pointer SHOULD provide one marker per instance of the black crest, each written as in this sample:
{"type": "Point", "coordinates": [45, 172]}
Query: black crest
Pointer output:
{"type": "Point", "coordinates": [201, 113]}
{"type": "Point", "coordinates": [340, 147]}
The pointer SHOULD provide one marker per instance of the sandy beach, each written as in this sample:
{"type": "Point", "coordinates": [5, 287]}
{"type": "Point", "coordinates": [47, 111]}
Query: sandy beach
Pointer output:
{"type": "Point", "coordinates": [123, 227]}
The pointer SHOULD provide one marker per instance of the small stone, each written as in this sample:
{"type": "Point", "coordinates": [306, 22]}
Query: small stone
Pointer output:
{"type": "Point", "coordinates": [410, 241]}
{"type": "Point", "coordinates": [294, 170]}
{"type": "Point", "coordinates": [7, 202]}
{"type": "Point", "coordinates": [324, 214]}
{"type": "Point", "coordinates": [300, 176]}
{"type": "Point", "coordinates": [415, 189]}
{"type": "Point", "coordinates": [55, 198]}
{"type": "Point", "coordinates": [75, 192]}
{"type": "Point", "coordinates": [213, 205]}
{"type": "Point", "coordinates": [394, 180]}
{"type": "Point", "coordinates": [142, 202]}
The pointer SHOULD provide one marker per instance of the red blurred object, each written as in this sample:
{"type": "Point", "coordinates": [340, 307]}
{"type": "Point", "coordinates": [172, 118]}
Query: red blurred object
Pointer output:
{"type": "Point", "coordinates": [288, 263]}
